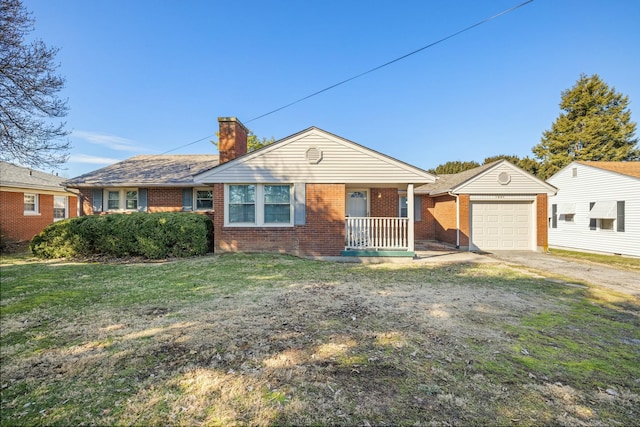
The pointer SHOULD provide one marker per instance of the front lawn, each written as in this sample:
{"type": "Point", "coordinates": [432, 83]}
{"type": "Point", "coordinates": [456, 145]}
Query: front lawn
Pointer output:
{"type": "Point", "coordinates": [266, 339]}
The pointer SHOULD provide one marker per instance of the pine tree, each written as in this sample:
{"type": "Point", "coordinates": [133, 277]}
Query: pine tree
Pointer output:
{"type": "Point", "coordinates": [595, 124]}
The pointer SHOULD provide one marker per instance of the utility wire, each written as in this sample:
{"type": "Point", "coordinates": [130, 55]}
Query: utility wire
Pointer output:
{"type": "Point", "coordinates": [392, 61]}
{"type": "Point", "coordinates": [386, 64]}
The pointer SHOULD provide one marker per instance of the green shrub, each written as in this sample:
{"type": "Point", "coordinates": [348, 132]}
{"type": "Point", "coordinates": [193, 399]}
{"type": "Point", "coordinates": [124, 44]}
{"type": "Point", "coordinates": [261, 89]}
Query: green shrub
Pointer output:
{"type": "Point", "coordinates": [149, 235]}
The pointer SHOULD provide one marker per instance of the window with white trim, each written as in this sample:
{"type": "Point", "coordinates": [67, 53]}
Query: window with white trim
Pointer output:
{"type": "Point", "coordinates": [403, 207]}
{"type": "Point", "coordinates": [60, 208]}
{"type": "Point", "coordinates": [121, 199]}
{"type": "Point", "coordinates": [131, 200]}
{"type": "Point", "coordinates": [259, 204]}
{"type": "Point", "coordinates": [203, 199]}
{"type": "Point", "coordinates": [31, 204]}
{"type": "Point", "coordinates": [277, 204]}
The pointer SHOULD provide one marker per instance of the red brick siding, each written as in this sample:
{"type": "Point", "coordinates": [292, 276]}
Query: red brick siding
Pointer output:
{"type": "Point", "coordinates": [18, 226]}
{"type": "Point", "coordinates": [465, 219]}
{"type": "Point", "coordinates": [425, 228]}
{"type": "Point", "coordinates": [444, 214]}
{"type": "Point", "coordinates": [164, 199]}
{"type": "Point", "coordinates": [541, 222]}
{"type": "Point", "coordinates": [384, 202]}
{"type": "Point", "coordinates": [322, 234]}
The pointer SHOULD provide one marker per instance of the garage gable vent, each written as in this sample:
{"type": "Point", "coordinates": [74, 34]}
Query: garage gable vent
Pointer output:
{"type": "Point", "coordinates": [504, 178]}
{"type": "Point", "coordinates": [314, 156]}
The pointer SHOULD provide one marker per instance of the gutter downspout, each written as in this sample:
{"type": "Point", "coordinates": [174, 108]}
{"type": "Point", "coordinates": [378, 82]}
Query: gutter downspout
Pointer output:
{"type": "Point", "coordinates": [457, 218]}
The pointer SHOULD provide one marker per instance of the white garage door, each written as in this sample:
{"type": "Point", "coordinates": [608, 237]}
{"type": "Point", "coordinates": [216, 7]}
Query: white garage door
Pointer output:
{"type": "Point", "coordinates": [501, 226]}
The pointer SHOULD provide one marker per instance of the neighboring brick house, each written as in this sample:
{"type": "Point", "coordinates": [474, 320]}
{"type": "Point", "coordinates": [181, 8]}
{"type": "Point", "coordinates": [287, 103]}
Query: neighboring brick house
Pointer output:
{"type": "Point", "coordinates": [30, 200]}
{"type": "Point", "coordinates": [162, 183]}
{"type": "Point", "coordinates": [316, 194]}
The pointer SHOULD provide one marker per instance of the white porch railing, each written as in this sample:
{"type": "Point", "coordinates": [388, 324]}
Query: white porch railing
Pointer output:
{"type": "Point", "coordinates": [373, 233]}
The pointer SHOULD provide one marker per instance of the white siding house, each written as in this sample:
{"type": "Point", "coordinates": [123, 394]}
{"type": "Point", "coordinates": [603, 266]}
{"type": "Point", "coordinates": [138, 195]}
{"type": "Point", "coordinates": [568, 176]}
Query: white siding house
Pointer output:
{"type": "Point", "coordinates": [597, 207]}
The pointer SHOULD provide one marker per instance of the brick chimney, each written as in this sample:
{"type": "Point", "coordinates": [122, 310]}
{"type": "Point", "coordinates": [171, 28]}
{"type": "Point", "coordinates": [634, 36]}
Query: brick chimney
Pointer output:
{"type": "Point", "coordinates": [233, 139]}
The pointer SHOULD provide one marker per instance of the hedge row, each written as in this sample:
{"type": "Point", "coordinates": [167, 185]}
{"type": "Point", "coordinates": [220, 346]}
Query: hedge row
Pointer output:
{"type": "Point", "coordinates": [148, 235]}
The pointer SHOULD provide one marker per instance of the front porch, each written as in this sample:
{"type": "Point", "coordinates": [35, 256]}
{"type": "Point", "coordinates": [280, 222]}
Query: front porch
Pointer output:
{"type": "Point", "coordinates": [378, 237]}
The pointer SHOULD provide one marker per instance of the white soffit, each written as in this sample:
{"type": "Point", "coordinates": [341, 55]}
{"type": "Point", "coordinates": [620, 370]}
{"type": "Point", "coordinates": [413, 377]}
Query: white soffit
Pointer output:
{"type": "Point", "coordinates": [603, 210]}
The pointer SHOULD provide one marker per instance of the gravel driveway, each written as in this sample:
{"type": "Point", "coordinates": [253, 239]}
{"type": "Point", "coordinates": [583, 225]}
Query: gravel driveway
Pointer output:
{"type": "Point", "coordinates": [596, 274]}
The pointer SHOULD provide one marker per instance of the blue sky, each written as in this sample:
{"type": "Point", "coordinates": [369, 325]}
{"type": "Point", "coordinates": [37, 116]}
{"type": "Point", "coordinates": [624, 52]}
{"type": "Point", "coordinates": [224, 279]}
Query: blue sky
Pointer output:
{"type": "Point", "coordinates": [148, 76]}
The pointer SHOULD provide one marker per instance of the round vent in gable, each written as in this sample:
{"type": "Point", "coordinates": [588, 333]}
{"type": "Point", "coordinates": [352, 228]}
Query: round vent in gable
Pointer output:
{"type": "Point", "coordinates": [314, 156]}
{"type": "Point", "coordinates": [504, 178]}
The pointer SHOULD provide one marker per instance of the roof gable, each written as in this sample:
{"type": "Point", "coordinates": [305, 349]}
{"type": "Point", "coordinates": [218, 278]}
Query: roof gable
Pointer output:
{"type": "Point", "coordinates": [314, 155]}
{"type": "Point", "coordinates": [161, 170]}
{"type": "Point", "coordinates": [497, 177]}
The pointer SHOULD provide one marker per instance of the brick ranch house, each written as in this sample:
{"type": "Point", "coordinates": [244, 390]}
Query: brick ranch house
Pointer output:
{"type": "Point", "coordinates": [30, 200]}
{"type": "Point", "coordinates": [316, 194]}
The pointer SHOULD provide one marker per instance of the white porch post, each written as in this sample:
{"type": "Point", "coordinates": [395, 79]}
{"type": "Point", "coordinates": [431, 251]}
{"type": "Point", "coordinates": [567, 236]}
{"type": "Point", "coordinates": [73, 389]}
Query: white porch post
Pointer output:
{"type": "Point", "coordinates": [410, 217]}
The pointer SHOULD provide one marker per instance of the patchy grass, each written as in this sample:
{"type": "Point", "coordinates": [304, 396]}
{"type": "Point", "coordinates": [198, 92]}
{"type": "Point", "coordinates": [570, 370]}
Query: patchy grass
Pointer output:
{"type": "Point", "coordinates": [265, 339]}
{"type": "Point", "coordinates": [617, 261]}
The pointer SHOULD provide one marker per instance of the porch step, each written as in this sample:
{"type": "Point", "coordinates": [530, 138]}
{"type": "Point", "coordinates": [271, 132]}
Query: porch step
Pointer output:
{"type": "Point", "coordinates": [373, 253]}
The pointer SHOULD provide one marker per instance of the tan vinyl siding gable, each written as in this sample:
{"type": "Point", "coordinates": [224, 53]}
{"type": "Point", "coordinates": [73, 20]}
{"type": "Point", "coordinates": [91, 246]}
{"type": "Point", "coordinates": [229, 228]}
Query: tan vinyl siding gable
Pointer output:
{"type": "Point", "coordinates": [519, 182]}
{"type": "Point", "coordinates": [341, 162]}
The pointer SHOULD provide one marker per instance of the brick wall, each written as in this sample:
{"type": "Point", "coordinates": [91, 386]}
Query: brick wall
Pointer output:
{"type": "Point", "coordinates": [425, 228]}
{"type": "Point", "coordinates": [444, 214]}
{"type": "Point", "coordinates": [465, 220]}
{"type": "Point", "coordinates": [322, 234]}
{"type": "Point", "coordinates": [18, 226]}
{"type": "Point", "coordinates": [384, 202]}
{"type": "Point", "coordinates": [164, 199]}
{"type": "Point", "coordinates": [541, 222]}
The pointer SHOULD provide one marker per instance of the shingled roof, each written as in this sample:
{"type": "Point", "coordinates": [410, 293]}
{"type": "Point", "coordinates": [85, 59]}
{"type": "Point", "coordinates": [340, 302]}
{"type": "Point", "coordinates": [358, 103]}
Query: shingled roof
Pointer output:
{"type": "Point", "coordinates": [148, 171]}
{"type": "Point", "coordinates": [21, 177]}
{"type": "Point", "coordinates": [624, 168]}
{"type": "Point", "coordinates": [448, 181]}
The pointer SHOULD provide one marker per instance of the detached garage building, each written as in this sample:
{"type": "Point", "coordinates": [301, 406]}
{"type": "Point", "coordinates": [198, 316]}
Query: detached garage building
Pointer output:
{"type": "Point", "coordinates": [496, 206]}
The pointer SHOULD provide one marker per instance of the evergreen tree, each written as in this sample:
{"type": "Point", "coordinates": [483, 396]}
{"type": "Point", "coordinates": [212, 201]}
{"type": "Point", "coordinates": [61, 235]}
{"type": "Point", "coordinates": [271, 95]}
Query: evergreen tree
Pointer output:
{"type": "Point", "coordinates": [526, 163]}
{"type": "Point", "coordinates": [595, 124]}
{"type": "Point", "coordinates": [453, 167]}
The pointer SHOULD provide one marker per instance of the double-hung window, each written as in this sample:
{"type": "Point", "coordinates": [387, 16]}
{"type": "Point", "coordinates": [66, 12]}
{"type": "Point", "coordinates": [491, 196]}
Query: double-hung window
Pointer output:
{"type": "Point", "coordinates": [204, 200]}
{"type": "Point", "coordinates": [131, 200]}
{"type": "Point", "coordinates": [122, 199]}
{"type": "Point", "coordinates": [30, 204]}
{"type": "Point", "coordinates": [242, 204]}
{"type": "Point", "coordinates": [113, 200]}
{"type": "Point", "coordinates": [59, 208]}
{"type": "Point", "coordinates": [259, 204]}
{"type": "Point", "coordinates": [277, 204]}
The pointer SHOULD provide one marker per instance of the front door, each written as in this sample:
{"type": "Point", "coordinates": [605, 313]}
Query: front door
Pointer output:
{"type": "Point", "coordinates": [357, 203]}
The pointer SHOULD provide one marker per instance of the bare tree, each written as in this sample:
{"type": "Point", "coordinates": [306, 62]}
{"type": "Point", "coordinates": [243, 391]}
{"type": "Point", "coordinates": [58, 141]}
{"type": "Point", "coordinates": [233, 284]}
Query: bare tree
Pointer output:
{"type": "Point", "coordinates": [29, 105]}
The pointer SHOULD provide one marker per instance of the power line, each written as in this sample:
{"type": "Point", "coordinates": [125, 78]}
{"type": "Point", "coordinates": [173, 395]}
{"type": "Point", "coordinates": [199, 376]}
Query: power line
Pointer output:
{"type": "Point", "coordinates": [392, 61]}
{"type": "Point", "coordinates": [386, 64]}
